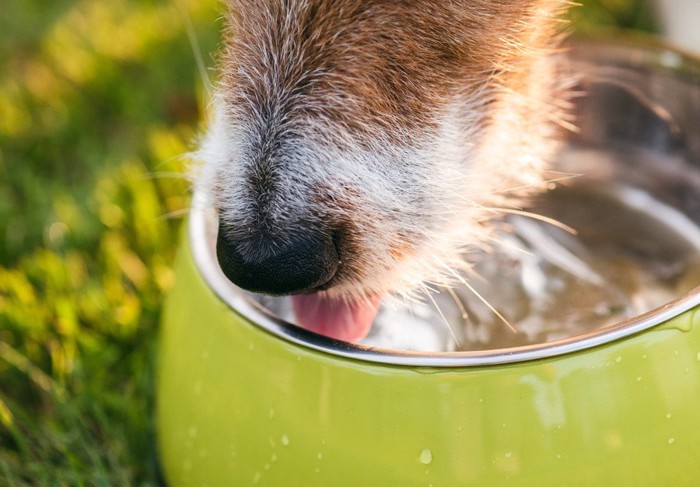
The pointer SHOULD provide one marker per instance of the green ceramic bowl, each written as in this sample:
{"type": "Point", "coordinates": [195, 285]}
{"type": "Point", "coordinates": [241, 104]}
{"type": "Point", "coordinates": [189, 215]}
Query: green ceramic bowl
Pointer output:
{"type": "Point", "coordinates": [244, 399]}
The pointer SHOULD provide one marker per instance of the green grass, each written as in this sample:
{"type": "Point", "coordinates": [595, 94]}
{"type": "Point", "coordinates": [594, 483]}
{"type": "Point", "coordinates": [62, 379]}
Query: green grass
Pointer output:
{"type": "Point", "coordinates": [98, 101]}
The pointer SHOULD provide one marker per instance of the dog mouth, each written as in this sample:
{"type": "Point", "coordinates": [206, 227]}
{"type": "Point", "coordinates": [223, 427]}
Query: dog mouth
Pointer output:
{"type": "Point", "coordinates": [343, 319]}
{"type": "Point", "coordinates": [306, 268]}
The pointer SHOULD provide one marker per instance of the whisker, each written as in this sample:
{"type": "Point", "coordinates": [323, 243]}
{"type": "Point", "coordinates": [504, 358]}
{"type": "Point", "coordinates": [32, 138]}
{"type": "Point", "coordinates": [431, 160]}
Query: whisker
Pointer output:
{"type": "Point", "coordinates": [175, 214]}
{"type": "Point", "coordinates": [458, 302]}
{"type": "Point", "coordinates": [408, 303]}
{"type": "Point", "coordinates": [505, 244]}
{"type": "Point", "coordinates": [165, 175]}
{"type": "Point", "coordinates": [196, 48]}
{"type": "Point", "coordinates": [444, 320]}
{"type": "Point", "coordinates": [183, 158]}
{"type": "Point", "coordinates": [559, 179]}
{"type": "Point", "coordinates": [536, 216]}
{"type": "Point", "coordinates": [482, 299]}
{"type": "Point", "coordinates": [473, 274]}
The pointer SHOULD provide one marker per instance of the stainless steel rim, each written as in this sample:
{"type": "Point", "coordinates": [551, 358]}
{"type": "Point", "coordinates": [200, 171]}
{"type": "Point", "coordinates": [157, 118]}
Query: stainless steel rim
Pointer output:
{"type": "Point", "coordinates": [202, 233]}
{"type": "Point", "coordinates": [203, 222]}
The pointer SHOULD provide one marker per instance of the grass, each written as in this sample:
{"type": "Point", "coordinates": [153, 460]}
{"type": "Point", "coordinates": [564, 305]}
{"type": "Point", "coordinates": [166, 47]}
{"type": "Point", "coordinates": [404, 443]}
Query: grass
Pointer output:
{"type": "Point", "coordinates": [98, 101]}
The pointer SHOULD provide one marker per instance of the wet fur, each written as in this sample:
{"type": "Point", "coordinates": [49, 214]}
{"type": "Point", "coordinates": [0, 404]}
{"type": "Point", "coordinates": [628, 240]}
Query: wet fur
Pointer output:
{"type": "Point", "coordinates": [400, 128]}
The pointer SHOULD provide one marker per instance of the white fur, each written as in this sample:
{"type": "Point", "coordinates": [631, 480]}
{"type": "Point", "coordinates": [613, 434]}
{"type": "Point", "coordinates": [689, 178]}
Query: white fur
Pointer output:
{"type": "Point", "coordinates": [440, 191]}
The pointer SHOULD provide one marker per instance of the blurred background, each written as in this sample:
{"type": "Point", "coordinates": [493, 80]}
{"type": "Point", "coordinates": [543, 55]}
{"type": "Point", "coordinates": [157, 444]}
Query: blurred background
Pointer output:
{"type": "Point", "coordinates": [99, 102]}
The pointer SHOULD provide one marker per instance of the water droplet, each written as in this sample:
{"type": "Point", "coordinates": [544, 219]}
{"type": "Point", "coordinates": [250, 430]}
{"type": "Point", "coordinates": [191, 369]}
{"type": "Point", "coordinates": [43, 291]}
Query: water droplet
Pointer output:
{"type": "Point", "coordinates": [509, 454]}
{"type": "Point", "coordinates": [318, 470]}
{"type": "Point", "coordinates": [192, 432]}
{"type": "Point", "coordinates": [256, 478]}
{"type": "Point", "coordinates": [251, 346]}
{"type": "Point", "coordinates": [319, 456]}
{"type": "Point", "coordinates": [285, 440]}
{"type": "Point", "coordinates": [273, 458]}
{"type": "Point", "coordinates": [668, 415]}
{"type": "Point", "coordinates": [267, 466]}
{"type": "Point", "coordinates": [644, 356]}
{"type": "Point", "coordinates": [675, 353]}
{"type": "Point", "coordinates": [618, 359]}
{"type": "Point", "coordinates": [671, 441]}
{"type": "Point", "coordinates": [639, 378]}
{"type": "Point", "coordinates": [698, 356]}
{"type": "Point", "coordinates": [558, 455]}
{"type": "Point", "coordinates": [426, 456]}
{"type": "Point", "coordinates": [271, 413]}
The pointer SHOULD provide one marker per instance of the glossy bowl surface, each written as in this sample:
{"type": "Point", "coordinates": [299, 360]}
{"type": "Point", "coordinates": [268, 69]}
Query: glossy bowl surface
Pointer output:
{"type": "Point", "coordinates": [245, 399]}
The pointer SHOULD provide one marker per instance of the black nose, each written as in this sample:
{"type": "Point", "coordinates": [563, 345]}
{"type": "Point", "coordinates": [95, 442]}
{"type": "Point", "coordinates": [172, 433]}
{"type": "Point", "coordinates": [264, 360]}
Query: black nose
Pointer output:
{"type": "Point", "coordinates": [301, 264]}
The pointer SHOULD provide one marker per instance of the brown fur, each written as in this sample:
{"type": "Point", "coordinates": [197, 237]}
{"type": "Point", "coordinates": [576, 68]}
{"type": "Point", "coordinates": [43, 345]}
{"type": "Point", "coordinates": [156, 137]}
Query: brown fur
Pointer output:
{"type": "Point", "coordinates": [396, 126]}
{"type": "Point", "coordinates": [380, 64]}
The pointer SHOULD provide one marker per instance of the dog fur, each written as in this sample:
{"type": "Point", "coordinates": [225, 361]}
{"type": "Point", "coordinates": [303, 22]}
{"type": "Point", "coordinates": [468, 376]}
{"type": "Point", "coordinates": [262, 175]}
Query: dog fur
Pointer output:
{"type": "Point", "coordinates": [406, 126]}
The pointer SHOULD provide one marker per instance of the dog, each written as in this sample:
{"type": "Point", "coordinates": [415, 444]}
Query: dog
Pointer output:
{"type": "Point", "coordinates": [366, 147]}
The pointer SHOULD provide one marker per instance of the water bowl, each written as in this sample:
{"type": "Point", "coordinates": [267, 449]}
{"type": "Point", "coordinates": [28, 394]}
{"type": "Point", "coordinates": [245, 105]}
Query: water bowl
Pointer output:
{"type": "Point", "coordinates": [244, 398]}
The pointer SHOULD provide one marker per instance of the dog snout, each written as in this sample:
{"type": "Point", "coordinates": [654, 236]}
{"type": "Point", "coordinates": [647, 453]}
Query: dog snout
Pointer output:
{"type": "Point", "coordinates": [277, 266]}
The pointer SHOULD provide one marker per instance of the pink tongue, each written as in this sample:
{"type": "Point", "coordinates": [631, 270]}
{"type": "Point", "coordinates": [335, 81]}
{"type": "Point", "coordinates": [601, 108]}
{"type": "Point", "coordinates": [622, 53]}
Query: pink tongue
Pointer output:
{"type": "Point", "coordinates": [335, 318]}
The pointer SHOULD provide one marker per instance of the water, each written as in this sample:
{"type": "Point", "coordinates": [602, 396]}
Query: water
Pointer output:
{"type": "Point", "coordinates": [633, 250]}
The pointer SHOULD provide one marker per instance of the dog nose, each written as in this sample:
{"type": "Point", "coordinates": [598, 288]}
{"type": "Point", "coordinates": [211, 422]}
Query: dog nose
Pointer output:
{"type": "Point", "coordinates": [298, 265]}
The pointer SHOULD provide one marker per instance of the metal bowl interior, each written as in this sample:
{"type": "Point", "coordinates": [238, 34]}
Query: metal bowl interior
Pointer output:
{"type": "Point", "coordinates": [246, 399]}
{"type": "Point", "coordinates": [635, 97]}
